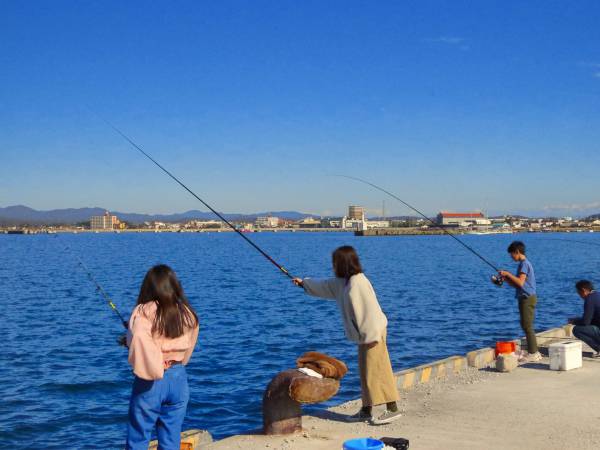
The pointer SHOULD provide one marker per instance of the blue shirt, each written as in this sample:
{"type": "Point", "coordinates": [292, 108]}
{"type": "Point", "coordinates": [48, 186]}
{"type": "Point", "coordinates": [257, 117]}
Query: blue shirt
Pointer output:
{"type": "Point", "coordinates": [528, 288]}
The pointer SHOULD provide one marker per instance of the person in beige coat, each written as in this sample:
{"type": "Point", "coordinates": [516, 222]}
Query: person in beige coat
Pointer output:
{"type": "Point", "coordinates": [366, 325]}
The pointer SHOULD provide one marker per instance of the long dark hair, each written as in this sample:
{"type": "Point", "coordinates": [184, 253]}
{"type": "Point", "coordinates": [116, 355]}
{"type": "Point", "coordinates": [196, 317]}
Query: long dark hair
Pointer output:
{"type": "Point", "coordinates": [345, 262]}
{"type": "Point", "coordinates": [173, 311]}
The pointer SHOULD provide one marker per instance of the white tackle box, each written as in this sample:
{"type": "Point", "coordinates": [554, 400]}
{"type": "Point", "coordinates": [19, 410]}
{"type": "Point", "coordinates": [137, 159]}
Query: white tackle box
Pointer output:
{"type": "Point", "coordinates": [565, 355]}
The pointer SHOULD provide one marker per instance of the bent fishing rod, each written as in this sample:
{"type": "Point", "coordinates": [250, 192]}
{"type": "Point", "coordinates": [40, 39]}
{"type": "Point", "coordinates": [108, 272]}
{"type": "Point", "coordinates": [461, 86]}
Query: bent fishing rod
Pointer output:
{"type": "Point", "coordinates": [214, 211]}
{"type": "Point", "coordinates": [468, 247]}
{"type": "Point", "coordinates": [98, 286]}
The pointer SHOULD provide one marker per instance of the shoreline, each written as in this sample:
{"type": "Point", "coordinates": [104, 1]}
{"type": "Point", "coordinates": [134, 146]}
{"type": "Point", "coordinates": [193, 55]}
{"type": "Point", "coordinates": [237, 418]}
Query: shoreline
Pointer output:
{"type": "Point", "coordinates": [368, 233]}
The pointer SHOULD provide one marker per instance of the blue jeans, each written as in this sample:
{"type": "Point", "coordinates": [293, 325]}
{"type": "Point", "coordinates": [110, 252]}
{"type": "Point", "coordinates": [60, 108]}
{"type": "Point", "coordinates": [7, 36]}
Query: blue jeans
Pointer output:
{"type": "Point", "coordinates": [162, 403]}
{"type": "Point", "coordinates": [589, 334]}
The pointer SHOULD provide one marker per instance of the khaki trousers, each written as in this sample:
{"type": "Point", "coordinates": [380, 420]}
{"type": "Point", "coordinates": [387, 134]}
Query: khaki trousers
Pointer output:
{"type": "Point", "coordinates": [527, 314]}
{"type": "Point", "coordinates": [377, 381]}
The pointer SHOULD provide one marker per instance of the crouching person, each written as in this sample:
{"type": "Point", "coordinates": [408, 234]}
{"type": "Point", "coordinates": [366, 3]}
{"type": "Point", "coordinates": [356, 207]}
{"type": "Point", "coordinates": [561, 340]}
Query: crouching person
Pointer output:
{"type": "Point", "coordinates": [366, 325]}
{"type": "Point", "coordinates": [163, 330]}
{"type": "Point", "coordinates": [587, 327]}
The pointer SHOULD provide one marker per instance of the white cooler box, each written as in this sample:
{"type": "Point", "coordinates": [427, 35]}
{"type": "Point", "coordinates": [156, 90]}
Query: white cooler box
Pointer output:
{"type": "Point", "coordinates": [565, 355]}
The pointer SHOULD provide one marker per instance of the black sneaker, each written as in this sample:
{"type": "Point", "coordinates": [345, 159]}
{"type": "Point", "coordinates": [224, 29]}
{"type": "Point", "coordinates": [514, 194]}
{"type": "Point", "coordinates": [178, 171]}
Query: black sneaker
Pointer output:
{"type": "Point", "coordinates": [360, 416]}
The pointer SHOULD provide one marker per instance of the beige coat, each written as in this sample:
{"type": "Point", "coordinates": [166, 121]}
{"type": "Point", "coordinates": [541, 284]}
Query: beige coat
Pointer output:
{"type": "Point", "coordinates": [364, 321]}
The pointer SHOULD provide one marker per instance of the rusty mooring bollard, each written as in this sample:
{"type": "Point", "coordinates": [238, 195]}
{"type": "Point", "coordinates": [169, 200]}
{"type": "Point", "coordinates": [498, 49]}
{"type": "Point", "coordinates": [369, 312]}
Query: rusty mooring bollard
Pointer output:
{"type": "Point", "coordinates": [282, 412]}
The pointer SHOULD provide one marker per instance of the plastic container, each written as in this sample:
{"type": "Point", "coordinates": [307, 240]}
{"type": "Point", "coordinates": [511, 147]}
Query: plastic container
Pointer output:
{"type": "Point", "coordinates": [363, 444]}
{"type": "Point", "coordinates": [397, 443]}
{"type": "Point", "coordinates": [565, 355]}
{"type": "Point", "coordinates": [505, 347]}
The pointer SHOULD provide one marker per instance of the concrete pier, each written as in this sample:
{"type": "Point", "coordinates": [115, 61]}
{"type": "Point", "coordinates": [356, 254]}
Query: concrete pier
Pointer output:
{"type": "Point", "coordinates": [462, 403]}
{"type": "Point", "coordinates": [190, 440]}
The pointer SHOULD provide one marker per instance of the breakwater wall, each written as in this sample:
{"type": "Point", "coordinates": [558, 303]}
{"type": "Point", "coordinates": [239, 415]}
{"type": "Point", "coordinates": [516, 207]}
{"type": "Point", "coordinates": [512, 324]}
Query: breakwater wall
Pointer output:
{"type": "Point", "coordinates": [479, 359]}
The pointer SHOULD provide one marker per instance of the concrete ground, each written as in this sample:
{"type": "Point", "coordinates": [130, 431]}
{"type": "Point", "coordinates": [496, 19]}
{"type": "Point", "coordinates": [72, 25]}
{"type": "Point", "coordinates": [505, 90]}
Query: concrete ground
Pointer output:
{"type": "Point", "coordinates": [530, 408]}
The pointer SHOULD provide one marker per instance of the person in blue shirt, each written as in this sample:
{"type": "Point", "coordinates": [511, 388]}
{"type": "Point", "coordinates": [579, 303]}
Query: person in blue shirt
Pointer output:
{"type": "Point", "coordinates": [587, 327]}
{"type": "Point", "coordinates": [525, 291]}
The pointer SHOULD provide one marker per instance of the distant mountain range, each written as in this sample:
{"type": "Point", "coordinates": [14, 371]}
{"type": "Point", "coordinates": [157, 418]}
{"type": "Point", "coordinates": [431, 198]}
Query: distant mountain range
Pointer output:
{"type": "Point", "coordinates": [22, 215]}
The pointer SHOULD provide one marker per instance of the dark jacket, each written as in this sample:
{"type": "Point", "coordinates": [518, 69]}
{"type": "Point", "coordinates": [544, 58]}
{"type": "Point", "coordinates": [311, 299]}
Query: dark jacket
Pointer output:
{"type": "Point", "coordinates": [591, 310]}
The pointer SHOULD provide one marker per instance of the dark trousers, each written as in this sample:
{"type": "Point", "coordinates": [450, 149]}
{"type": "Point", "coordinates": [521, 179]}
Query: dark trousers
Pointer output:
{"type": "Point", "coordinates": [527, 314]}
{"type": "Point", "coordinates": [589, 334]}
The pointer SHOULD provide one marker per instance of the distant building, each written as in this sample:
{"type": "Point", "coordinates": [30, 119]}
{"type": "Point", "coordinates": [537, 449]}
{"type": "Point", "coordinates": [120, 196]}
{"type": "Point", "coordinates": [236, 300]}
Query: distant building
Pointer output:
{"type": "Point", "coordinates": [267, 222]}
{"type": "Point", "coordinates": [462, 219]}
{"type": "Point", "coordinates": [354, 224]}
{"type": "Point", "coordinates": [285, 223]}
{"type": "Point", "coordinates": [400, 223]}
{"type": "Point", "coordinates": [200, 224]}
{"type": "Point", "coordinates": [356, 213]}
{"type": "Point", "coordinates": [331, 222]}
{"type": "Point", "coordinates": [104, 222]}
{"type": "Point", "coordinates": [309, 222]}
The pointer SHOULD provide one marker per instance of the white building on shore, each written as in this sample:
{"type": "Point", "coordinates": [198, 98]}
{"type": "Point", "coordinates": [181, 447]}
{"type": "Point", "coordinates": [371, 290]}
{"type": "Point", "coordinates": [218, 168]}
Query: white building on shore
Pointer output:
{"type": "Point", "coordinates": [104, 222]}
{"type": "Point", "coordinates": [308, 222]}
{"type": "Point", "coordinates": [267, 222]}
{"type": "Point", "coordinates": [468, 219]}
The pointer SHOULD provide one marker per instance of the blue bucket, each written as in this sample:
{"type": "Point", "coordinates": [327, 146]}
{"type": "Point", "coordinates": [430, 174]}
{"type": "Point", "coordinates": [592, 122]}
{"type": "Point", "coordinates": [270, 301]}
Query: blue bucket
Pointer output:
{"type": "Point", "coordinates": [363, 444]}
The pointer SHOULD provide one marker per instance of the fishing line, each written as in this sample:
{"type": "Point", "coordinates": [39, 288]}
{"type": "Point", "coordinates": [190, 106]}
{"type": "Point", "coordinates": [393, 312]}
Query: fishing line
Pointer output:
{"type": "Point", "coordinates": [98, 286]}
{"type": "Point", "coordinates": [220, 216]}
{"type": "Point", "coordinates": [422, 215]}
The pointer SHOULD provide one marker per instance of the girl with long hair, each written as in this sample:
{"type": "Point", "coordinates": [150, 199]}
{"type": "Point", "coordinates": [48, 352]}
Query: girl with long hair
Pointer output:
{"type": "Point", "coordinates": [163, 330]}
{"type": "Point", "coordinates": [366, 325]}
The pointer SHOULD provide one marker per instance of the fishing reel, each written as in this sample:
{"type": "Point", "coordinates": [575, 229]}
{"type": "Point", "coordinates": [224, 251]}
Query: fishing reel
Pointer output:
{"type": "Point", "coordinates": [498, 280]}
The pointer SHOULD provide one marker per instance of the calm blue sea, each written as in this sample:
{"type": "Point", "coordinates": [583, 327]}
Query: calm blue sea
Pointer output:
{"type": "Point", "coordinates": [65, 383]}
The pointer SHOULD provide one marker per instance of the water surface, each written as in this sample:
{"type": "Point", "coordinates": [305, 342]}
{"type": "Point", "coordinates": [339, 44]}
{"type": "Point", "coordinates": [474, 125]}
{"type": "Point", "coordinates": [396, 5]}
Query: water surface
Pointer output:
{"type": "Point", "coordinates": [66, 384]}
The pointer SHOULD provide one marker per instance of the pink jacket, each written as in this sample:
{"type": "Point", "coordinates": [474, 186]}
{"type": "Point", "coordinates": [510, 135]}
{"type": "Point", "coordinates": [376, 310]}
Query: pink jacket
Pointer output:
{"type": "Point", "coordinates": [148, 352]}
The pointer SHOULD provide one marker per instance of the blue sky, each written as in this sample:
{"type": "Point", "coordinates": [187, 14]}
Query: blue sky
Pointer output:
{"type": "Point", "coordinates": [451, 105]}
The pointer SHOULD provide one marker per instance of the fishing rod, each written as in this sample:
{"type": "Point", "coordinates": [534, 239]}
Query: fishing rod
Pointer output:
{"type": "Point", "coordinates": [496, 279]}
{"type": "Point", "coordinates": [214, 211]}
{"type": "Point", "coordinates": [98, 286]}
